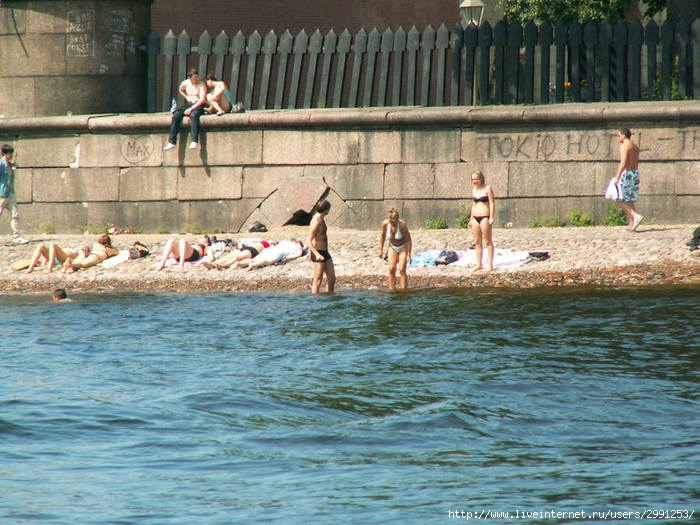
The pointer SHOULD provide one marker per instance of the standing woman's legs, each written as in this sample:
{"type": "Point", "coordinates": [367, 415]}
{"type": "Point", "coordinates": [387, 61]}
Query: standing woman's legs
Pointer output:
{"type": "Point", "coordinates": [486, 234]}
{"type": "Point", "coordinates": [393, 261]}
{"type": "Point", "coordinates": [403, 263]}
{"type": "Point", "coordinates": [476, 230]}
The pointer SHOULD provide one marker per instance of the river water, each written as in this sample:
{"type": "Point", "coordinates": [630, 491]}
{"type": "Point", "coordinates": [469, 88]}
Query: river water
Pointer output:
{"type": "Point", "coordinates": [354, 408]}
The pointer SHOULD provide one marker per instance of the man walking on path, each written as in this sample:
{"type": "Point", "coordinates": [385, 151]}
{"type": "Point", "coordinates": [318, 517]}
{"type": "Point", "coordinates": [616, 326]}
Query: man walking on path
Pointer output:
{"type": "Point", "coordinates": [627, 178]}
{"type": "Point", "coordinates": [7, 192]}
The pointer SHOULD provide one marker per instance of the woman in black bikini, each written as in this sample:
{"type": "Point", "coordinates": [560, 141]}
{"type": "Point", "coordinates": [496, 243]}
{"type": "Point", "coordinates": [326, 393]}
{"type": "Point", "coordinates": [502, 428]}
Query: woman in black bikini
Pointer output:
{"type": "Point", "coordinates": [184, 251]}
{"type": "Point", "coordinates": [481, 220]}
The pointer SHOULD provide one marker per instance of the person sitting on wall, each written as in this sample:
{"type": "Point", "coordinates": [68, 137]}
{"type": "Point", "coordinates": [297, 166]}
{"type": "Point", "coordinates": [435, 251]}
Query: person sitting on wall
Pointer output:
{"type": "Point", "coordinates": [194, 92]}
{"type": "Point", "coordinates": [218, 96]}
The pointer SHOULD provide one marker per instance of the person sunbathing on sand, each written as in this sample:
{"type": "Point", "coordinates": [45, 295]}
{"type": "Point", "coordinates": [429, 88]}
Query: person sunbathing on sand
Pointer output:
{"type": "Point", "coordinates": [233, 259]}
{"type": "Point", "coordinates": [54, 255]}
{"type": "Point", "coordinates": [101, 250]}
{"type": "Point", "coordinates": [282, 251]}
{"type": "Point", "coordinates": [184, 252]}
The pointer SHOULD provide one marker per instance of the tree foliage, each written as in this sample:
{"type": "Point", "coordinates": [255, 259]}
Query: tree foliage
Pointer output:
{"type": "Point", "coordinates": [568, 11]}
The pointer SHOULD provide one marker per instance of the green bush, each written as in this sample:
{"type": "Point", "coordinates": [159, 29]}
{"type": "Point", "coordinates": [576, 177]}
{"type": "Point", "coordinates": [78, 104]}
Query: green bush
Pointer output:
{"type": "Point", "coordinates": [579, 219]}
{"type": "Point", "coordinates": [615, 217]}
{"type": "Point", "coordinates": [46, 228]}
{"type": "Point", "coordinates": [548, 221]}
{"type": "Point", "coordinates": [463, 219]}
{"type": "Point", "coordinates": [436, 223]}
{"type": "Point", "coordinates": [93, 230]}
{"type": "Point", "coordinates": [192, 227]}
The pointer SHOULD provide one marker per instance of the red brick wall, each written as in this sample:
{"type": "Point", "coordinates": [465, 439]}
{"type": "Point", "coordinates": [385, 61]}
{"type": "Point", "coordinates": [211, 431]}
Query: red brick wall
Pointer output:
{"type": "Point", "coordinates": [246, 15]}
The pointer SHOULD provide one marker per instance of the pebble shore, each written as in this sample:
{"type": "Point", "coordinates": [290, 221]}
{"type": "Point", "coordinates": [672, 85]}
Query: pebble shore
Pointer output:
{"type": "Point", "coordinates": [655, 255]}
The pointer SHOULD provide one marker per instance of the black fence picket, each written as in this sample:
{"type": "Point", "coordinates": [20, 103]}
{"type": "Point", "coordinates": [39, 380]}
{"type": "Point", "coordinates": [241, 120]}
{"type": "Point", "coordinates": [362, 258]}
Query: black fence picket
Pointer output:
{"type": "Point", "coordinates": [503, 64]}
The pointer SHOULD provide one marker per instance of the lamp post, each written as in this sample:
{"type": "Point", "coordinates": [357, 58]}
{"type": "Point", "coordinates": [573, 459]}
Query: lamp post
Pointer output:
{"type": "Point", "coordinates": [472, 12]}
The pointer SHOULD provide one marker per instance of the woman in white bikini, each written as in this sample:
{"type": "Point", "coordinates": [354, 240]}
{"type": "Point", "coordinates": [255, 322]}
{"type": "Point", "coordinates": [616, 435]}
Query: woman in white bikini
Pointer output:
{"type": "Point", "coordinates": [395, 233]}
{"type": "Point", "coordinates": [481, 220]}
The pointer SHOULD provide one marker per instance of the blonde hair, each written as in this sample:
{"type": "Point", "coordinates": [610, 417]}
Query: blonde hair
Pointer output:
{"type": "Point", "coordinates": [479, 174]}
{"type": "Point", "coordinates": [393, 214]}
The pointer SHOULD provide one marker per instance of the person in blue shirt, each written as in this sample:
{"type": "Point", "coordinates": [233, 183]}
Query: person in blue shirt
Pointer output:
{"type": "Point", "coordinates": [8, 200]}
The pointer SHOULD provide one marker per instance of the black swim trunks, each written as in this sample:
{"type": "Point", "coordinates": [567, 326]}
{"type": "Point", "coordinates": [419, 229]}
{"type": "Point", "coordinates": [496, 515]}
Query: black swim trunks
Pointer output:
{"type": "Point", "coordinates": [326, 256]}
{"type": "Point", "coordinates": [253, 252]}
{"type": "Point", "coordinates": [196, 255]}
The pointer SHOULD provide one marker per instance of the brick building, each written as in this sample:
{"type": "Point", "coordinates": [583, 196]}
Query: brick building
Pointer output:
{"type": "Point", "coordinates": [263, 15]}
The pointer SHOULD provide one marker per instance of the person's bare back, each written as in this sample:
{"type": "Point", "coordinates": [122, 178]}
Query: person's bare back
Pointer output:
{"type": "Point", "coordinates": [629, 155]}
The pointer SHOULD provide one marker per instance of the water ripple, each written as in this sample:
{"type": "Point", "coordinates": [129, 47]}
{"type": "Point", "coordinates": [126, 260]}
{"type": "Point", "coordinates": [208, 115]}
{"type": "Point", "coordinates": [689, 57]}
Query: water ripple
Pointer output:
{"type": "Point", "coordinates": [359, 407]}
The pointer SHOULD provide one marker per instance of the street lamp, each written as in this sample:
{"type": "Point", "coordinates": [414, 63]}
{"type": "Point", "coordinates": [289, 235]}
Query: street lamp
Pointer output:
{"type": "Point", "coordinates": [472, 12]}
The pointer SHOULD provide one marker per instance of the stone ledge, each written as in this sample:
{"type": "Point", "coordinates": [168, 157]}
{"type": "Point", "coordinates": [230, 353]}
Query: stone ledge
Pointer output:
{"type": "Point", "coordinates": [630, 113]}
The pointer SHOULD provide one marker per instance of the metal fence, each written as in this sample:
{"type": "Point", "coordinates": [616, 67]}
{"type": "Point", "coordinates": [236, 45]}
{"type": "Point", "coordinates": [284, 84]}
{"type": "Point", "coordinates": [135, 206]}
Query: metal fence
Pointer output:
{"type": "Point", "coordinates": [503, 64]}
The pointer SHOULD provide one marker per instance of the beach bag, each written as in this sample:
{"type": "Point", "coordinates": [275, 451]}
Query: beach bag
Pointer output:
{"type": "Point", "coordinates": [446, 257]}
{"type": "Point", "coordinates": [612, 192]}
{"type": "Point", "coordinates": [138, 250]}
{"type": "Point", "coordinates": [238, 108]}
{"type": "Point", "coordinates": [257, 226]}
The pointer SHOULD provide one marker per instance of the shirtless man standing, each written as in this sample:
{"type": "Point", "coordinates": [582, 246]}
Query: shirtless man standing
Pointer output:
{"type": "Point", "coordinates": [627, 178]}
{"type": "Point", "coordinates": [318, 249]}
{"type": "Point", "coordinates": [194, 92]}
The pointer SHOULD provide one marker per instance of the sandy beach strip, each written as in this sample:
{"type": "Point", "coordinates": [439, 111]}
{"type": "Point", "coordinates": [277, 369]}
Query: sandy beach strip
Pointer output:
{"type": "Point", "coordinates": [587, 256]}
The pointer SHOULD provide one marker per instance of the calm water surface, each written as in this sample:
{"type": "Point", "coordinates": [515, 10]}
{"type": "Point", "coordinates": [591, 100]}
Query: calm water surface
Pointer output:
{"type": "Point", "coordinates": [357, 408]}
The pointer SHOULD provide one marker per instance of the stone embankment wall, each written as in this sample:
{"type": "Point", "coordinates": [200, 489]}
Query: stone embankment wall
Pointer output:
{"type": "Point", "coordinates": [80, 56]}
{"type": "Point", "coordinates": [89, 172]}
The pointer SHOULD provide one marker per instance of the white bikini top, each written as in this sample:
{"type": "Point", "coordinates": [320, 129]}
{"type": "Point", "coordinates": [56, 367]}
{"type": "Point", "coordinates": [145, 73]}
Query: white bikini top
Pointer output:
{"type": "Point", "coordinates": [399, 234]}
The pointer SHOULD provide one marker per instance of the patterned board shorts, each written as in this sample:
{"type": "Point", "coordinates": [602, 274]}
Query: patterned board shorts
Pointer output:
{"type": "Point", "coordinates": [629, 186]}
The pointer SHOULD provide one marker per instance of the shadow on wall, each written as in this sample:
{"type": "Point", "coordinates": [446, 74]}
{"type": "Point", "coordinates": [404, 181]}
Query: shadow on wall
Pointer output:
{"type": "Point", "coordinates": [293, 202]}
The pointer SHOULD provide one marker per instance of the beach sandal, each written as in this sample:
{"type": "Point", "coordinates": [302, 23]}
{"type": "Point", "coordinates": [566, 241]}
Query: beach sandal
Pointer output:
{"type": "Point", "coordinates": [637, 222]}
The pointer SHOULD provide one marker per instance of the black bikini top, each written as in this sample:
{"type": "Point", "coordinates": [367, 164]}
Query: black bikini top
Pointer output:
{"type": "Point", "coordinates": [483, 198]}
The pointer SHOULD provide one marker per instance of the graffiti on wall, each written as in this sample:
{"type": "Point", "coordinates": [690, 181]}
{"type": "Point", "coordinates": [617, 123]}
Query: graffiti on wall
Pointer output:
{"type": "Point", "coordinates": [120, 25]}
{"type": "Point", "coordinates": [81, 33]}
{"type": "Point", "coordinates": [584, 144]}
{"type": "Point", "coordinates": [80, 37]}
{"type": "Point", "coordinates": [137, 148]}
